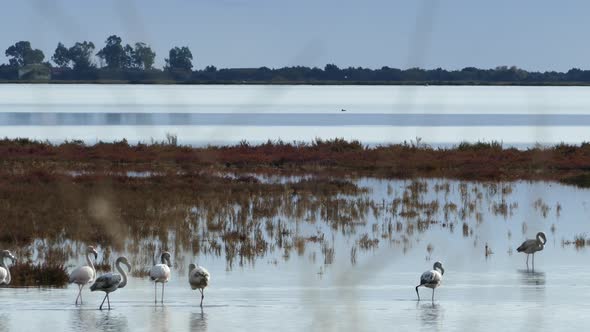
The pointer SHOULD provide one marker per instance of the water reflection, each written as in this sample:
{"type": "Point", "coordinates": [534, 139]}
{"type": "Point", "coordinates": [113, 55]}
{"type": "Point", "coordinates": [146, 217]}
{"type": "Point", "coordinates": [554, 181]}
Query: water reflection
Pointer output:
{"type": "Point", "coordinates": [4, 322]}
{"type": "Point", "coordinates": [83, 320]}
{"type": "Point", "coordinates": [430, 315]}
{"type": "Point", "coordinates": [198, 321]}
{"type": "Point", "coordinates": [160, 319]}
{"type": "Point", "coordinates": [112, 322]}
{"type": "Point", "coordinates": [532, 278]}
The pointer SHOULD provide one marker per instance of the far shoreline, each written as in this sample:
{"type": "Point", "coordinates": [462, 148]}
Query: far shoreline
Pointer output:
{"type": "Point", "coordinates": [298, 83]}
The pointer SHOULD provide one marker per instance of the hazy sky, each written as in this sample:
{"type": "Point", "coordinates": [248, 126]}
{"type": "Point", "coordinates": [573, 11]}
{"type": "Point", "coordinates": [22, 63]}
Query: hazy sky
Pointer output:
{"type": "Point", "coordinates": [531, 34]}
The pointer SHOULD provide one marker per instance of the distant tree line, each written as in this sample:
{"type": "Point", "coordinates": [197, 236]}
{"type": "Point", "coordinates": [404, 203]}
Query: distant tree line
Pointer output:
{"type": "Point", "coordinates": [135, 63]}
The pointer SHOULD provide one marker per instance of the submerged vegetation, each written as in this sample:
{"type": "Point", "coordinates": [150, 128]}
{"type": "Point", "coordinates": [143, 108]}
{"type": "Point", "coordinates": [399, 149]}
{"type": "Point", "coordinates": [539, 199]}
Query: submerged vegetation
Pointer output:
{"type": "Point", "coordinates": [244, 203]}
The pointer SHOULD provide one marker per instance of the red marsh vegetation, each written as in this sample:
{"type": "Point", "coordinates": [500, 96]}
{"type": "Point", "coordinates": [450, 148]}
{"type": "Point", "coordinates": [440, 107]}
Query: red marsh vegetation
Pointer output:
{"type": "Point", "coordinates": [477, 161]}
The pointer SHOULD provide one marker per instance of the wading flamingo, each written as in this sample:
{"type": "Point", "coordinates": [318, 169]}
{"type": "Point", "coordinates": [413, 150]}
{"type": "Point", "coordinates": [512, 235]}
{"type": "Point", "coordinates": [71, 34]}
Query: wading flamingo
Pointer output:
{"type": "Point", "coordinates": [110, 282]}
{"type": "Point", "coordinates": [198, 278]}
{"type": "Point", "coordinates": [4, 270]}
{"type": "Point", "coordinates": [532, 246]}
{"type": "Point", "coordinates": [161, 273]}
{"type": "Point", "coordinates": [83, 275]}
{"type": "Point", "coordinates": [431, 279]}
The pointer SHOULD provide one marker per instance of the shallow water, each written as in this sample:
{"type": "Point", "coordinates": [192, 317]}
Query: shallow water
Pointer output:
{"type": "Point", "coordinates": [201, 114]}
{"type": "Point", "coordinates": [302, 292]}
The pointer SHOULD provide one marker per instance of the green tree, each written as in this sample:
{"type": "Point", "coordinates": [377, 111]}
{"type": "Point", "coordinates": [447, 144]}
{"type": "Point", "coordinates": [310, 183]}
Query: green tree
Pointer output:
{"type": "Point", "coordinates": [128, 56]}
{"type": "Point", "coordinates": [61, 56]}
{"type": "Point", "coordinates": [23, 54]}
{"type": "Point", "coordinates": [143, 56]}
{"type": "Point", "coordinates": [80, 54]}
{"type": "Point", "coordinates": [115, 55]}
{"type": "Point", "coordinates": [180, 58]}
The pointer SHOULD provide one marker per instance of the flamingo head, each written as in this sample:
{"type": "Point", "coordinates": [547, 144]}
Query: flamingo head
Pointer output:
{"type": "Point", "coordinates": [541, 237]}
{"type": "Point", "coordinates": [8, 254]}
{"type": "Point", "coordinates": [438, 266]}
{"type": "Point", "coordinates": [166, 258]}
{"type": "Point", "coordinates": [91, 250]}
{"type": "Point", "coordinates": [125, 262]}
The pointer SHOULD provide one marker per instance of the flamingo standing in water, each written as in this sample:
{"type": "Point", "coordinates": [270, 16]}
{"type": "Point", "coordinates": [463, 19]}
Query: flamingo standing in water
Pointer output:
{"type": "Point", "coordinates": [4, 270]}
{"type": "Point", "coordinates": [161, 273]}
{"type": "Point", "coordinates": [533, 245]}
{"type": "Point", "coordinates": [431, 279]}
{"type": "Point", "coordinates": [198, 278]}
{"type": "Point", "coordinates": [83, 275]}
{"type": "Point", "coordinates": [110, 282]}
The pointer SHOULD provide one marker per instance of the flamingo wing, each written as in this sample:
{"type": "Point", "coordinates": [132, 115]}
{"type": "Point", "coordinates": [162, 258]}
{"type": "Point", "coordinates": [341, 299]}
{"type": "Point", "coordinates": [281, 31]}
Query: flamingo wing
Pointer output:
{"type": "Point", "coordinates": [199, 278]}
{"type": "Point", "coordinates": [527, 245]}
{"type": "Point", "coordinates": [82, 275]}
{"type": "Point", "coordinates": [160, 272]}
{"type": "Point", "coordinates": [106, 281]}
{"type": "Point", "coordinates": [430, 277]}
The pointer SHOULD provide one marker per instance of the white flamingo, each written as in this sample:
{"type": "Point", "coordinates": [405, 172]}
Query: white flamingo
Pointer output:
{"type": "Point", "coordinates": [431, 279]}
{"type": "Point", "coordinates": [532, 246]}
{"type": "Point", "coordinates": [110, 282]}
{"type": "Point", "coordinates": [198, 278]}
{"type": "Point", "coordinates": [83, 275]}
{"type": "Point", "coordinates": [161, 273]}
{"type": "Point", "coordinates": [4, 270]}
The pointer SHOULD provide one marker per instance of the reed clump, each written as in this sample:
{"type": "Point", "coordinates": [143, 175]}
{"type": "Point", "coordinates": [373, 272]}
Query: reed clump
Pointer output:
{"type": "Point", "coordinates": [40, 274]}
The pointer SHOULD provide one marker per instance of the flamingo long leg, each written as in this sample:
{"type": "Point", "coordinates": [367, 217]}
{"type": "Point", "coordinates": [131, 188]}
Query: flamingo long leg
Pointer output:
{"type": "Point", "coordinates": [105, 297]}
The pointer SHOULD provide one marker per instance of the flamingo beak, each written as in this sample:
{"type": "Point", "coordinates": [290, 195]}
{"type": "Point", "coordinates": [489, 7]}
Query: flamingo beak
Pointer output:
{"type": "Point", "coordinates": [13, 259]}
{"type": "Point", "coordinates": [95, 255]}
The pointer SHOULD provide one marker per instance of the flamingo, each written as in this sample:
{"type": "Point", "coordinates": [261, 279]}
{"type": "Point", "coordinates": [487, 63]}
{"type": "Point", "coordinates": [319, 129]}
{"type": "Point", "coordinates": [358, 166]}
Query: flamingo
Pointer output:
{"type": "Point", "coordinates": [4, 270]}
{"type": "Point", "coordinates": [161, 273]}
{"type": "Point", "coordinates": [198, 278]}
{"type": "Point", "coordinates": [533, 245]}
{"type": "Point", "coordinates": [431, 279]}
{"type": "Point", "coordinates": [83, 275]}
{"type": "Point", "coordinates": [110, 282]}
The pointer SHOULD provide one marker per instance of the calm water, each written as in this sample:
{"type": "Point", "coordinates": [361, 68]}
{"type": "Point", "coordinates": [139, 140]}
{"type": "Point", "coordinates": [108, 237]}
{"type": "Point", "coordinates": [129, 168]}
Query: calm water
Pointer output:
{"type": "Point", "coordinates": [307, 291]}
{"type": "Point", "coordinates": [304, 292]}
{"type": "Point", "coordinates": [203, 115]}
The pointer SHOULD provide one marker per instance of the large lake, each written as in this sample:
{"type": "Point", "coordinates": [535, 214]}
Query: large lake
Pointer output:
{"type": "Point", "coordinates": [217, 114]}
{"type": "Point", "coordinates": [374, 244]}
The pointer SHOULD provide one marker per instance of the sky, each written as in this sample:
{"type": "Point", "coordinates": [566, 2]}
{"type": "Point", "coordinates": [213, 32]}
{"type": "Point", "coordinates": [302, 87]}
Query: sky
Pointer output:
{"type": "Point", "coordinates": [452, 34]}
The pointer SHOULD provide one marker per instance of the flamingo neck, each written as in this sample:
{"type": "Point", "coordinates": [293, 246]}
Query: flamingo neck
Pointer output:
{"type": "Point", "coordinates": [89, 262]}
{"type": "Point", "coordinates": [123, 275]}
{"type": "Point", "coordinates": [8, 277]}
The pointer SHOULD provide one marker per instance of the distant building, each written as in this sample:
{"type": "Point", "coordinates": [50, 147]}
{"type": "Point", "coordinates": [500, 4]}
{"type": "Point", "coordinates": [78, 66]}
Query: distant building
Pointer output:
{"type": "Point", "coordinates": [34, 72]}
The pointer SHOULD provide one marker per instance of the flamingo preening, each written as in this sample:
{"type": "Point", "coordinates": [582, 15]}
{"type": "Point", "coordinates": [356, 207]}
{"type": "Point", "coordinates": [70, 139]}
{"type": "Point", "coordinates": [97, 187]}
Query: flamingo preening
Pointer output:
{"type": "Point", "coordinates": [110, 282]}
{"type": "Point", "coordinates": [161, 273]}
{"type": "Point", "coordinates": [83, 275]}
{"type": "Point", "coordinates": [198, 278]}
{"type": "Point", "coordinates": [4, 270]}
{"type": "Point", "coordinates": [431, 279]}
{"type": "Point", "coordinates": [533, 245]}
